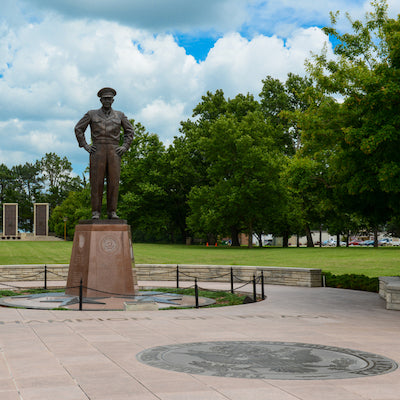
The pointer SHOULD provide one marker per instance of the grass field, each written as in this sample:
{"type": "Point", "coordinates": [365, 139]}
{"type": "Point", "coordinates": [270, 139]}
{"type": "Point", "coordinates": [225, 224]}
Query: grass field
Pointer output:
{"type": "Point", "coordinates": [367, 261]}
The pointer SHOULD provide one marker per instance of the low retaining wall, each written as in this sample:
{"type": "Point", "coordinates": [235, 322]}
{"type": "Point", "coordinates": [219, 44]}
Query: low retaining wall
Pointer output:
{"type": "Point", "coordinates": [307, 277]}
{"type": "Point", "coordinates": [389, 289]}
{"type": "Point", "coordinates": [33, 272]}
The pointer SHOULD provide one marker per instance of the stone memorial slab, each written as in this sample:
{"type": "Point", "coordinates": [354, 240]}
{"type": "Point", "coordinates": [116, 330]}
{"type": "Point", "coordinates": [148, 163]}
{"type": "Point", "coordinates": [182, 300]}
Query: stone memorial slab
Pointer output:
{"type": "Point", "coordinates": [267, 360]}
{"type": "Point", "coordinates": [10, 219]}
{"type": "Point", "coordinates": [41, 218]}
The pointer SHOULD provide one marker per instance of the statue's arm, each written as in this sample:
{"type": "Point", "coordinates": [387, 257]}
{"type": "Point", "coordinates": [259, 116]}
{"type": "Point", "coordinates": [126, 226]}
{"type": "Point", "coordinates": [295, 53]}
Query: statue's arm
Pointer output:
{"type": "Point", "coordinates": [80, 129]}
{"type": "Point", "coordinates": [129, 132]}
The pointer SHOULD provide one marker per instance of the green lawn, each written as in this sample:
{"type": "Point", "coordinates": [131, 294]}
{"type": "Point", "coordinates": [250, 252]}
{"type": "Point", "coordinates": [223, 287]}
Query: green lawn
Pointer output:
{"type": "Point", "coordinates": [35, 252]}
{"type": "Point", "coordinates": [368, 261]}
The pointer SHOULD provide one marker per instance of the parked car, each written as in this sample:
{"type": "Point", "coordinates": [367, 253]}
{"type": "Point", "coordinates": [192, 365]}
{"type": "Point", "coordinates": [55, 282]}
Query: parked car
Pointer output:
{"type": "Point", "coordinates": [385, 242]}
{"type": "Point", "coordinates": [367, 243]}
{"type": "Point", "coordinates": [355, 242]}
{"type": "Point", "coordinates": [329, 242]}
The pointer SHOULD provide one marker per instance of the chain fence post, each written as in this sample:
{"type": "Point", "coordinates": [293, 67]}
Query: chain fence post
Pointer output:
{"type": "Point", "coordinates": [196, 292]}
{"type": "Point", "coordinates": [232, 291]}
{"type": "Point", "coordinates": [80, 295]}
{"type": "Point", "coordinates": [262, 285]}
{"type": "Point", "coordinates": [254, 289]}
{"type": "Point", "coordinates": [177, 276]}
{"type": "Point", "coordinates": [45, 277]}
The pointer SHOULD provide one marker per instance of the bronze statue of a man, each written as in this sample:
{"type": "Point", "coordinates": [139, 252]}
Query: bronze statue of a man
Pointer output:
{"type": "Point", "coordinates": [105, 150]}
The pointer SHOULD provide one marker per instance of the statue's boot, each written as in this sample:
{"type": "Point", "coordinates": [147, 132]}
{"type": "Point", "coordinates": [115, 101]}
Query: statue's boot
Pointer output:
{"type": "Point", "coordinates": [113, 215]}
{"type": "Point", "coordinates": [95, 215]}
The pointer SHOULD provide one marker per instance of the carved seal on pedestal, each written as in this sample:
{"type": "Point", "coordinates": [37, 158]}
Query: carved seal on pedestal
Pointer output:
{"type": "Point", "coordinates": [109, 245]}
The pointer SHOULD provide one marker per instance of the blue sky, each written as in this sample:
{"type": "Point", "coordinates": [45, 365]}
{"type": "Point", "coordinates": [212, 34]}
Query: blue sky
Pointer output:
{"type": "Point", "coordinates": [160, 55]}
{"type": "Point", "coordinates": [196, 46]}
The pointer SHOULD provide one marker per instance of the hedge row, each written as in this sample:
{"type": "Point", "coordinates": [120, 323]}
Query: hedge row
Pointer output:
{"type": "Point", "coordinates": [352, 281]}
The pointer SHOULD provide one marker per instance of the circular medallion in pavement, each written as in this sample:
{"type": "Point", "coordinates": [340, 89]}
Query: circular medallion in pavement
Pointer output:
{"type": "Point", "coordinates": [266, 360]}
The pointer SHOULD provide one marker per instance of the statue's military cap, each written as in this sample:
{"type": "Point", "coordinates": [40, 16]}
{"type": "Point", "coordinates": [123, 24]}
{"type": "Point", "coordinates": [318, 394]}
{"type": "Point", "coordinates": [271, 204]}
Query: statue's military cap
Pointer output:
{"type": "Point", "coordinates": [107, 91]}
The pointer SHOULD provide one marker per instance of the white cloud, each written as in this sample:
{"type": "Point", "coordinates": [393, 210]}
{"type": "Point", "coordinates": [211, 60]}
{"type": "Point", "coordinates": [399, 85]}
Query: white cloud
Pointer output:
{"type": "Point", "coordinates": [57, 66]}
{"type": "Point", "coordinates": [52, 66]}
{"type": "Point", "coordinates": [163, 117]}
{"type": "Point", "coordinates": [394, 8]}
{"type": "Point", "coordinates": [284, 16]}
{"type": "Point", "coordinates": [266, 16]}
{"type": "Point", "coordinates": [155, 15]}
{"type": "Point", "coordinates": [236, 64]}
{"type": "Point", "coordinates": [29, 140]}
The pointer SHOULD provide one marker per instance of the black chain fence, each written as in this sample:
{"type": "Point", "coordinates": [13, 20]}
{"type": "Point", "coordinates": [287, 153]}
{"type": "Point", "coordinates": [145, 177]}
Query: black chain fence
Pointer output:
{"type": "Point", "coordinates": [233, 278]}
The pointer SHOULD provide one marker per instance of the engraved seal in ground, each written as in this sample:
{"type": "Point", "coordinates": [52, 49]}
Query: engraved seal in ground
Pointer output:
{"type": "Point", "coordinates": [267, 360]}
{"type": "Point", "coordinates": [109, 245]}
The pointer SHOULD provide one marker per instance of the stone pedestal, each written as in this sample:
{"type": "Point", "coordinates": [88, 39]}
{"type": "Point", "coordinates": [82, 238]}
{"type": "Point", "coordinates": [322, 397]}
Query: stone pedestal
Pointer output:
{"type": "Point", "coordinates": [102, 257]}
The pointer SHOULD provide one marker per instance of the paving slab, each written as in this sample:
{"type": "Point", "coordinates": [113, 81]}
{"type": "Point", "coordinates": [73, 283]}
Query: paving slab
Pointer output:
{"type": "Point", "coordinates": [64, 355]}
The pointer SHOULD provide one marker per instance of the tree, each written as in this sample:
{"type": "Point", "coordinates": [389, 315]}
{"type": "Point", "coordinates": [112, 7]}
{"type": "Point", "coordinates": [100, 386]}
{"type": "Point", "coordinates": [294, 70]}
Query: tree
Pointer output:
{"type": "Point", "coordinates": [47, 180]}
{"type": "Point", "coordinates": [241, 167]}
{"type": "Point", "coordinates": [26, 189]}
{"type": "Point", "coordinates": [56, 173]}
{"type": "Point", "coordinates": [6, 180]}
{"type": "Point", "coordinates": [303, 178]}
{"type": "Point", "coordinates": [74, 208]}
{"type": "Point", "coordinates": [366, 75]}
{"type": "Point", "coordinates": [279, 103]}
{"type": "Point", "coordinates": [283, 105]}
{"type": "Point", "coordinates": [184, 170]}
{"type": "Point", "coordinates": [143, 191]}
{"type": "Point", "coordinates": [6, 187]}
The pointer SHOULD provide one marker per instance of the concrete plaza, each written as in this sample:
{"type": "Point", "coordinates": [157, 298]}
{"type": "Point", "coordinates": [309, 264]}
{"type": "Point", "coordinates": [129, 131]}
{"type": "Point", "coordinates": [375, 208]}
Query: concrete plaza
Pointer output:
{"type": "Point", "coordinates": [77, 355]}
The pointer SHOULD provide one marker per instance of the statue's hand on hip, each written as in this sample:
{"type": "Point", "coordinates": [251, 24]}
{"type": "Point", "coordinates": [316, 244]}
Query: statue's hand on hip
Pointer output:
{"type": "Point", "coordinates": [120, 150]}
{"type": "Point", "coordinates": [90, 148]}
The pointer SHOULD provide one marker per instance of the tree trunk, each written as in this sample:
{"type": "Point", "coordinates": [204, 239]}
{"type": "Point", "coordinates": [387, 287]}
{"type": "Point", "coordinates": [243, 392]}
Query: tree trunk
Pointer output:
{"type": "Point", "coordinates": [184, 233]}
{"type": "Point", "coordinates": [285, 239]}
{"type": "Point", "coordinates": [235, 237]}
{"type": "Point", "coordinates": [375, 237]}
{"type": "Point", "coordinates": [320, 237]}
{"type": "Point", "coordinates": [211, 239]}
{"type": "Point", "coordinates": [338, 240]}
{"type": "Point", "coordinates": [250, 244]}
{"type": "Point", "coordinates": [297, 240]}
{"type": "Point", "coordinates": [259, 238]}
{"type": "Point", "coordinates": [310, 242]}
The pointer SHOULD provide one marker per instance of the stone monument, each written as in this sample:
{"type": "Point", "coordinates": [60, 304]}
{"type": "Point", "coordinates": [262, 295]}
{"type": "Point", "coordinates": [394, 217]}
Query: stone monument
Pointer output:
{"type": "Point", "coordinates": [41, 219]}
{"type": "Point", "coordinates": [10, 219]}
{"type": "Point", "coordinates": [102, 256]}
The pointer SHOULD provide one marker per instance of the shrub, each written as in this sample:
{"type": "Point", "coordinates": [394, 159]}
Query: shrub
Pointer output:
{"type": "Point", "coordinates": [352, 281]}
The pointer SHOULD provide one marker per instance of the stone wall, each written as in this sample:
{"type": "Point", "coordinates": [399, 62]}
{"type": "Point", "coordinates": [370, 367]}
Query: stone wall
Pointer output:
{"type": "Point", "coordinates": [389, 290]}
{"type": "Point", "coordinates": [307, 277]}
{"type": "Point", "coordinates": [33, 272]}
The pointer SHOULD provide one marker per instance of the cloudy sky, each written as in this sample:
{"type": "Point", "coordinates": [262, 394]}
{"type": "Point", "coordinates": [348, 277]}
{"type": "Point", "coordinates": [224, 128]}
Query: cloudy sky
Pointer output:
{"type": "Point", "coordinates": [160, 55]}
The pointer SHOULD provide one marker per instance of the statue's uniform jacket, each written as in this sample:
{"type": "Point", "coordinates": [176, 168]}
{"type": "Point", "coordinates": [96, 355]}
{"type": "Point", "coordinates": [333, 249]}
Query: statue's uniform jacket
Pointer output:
{"type": "Point", "coordinates": [104, 162]}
